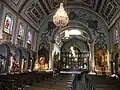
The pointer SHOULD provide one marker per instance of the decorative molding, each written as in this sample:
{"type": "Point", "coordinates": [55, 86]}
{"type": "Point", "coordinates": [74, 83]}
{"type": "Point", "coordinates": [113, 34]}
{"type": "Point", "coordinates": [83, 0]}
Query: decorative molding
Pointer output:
{"type": "Point", "coordinates": [35, 13]}
{"type": "Point", "coordinates": [29, 46]}
{"type": "Point", "coordinates": [72, 15]}
{"type": "Point", "coordinates": [15, 2]}
{"type": "Point", "coordinates": [100, 43]}
{"type": "Point", "coordinates": [53, 3]}
{"type": "Point", "coordinates": [7, 37]}
{"type": "Point", "coordinates": [109, 10]}
{"type": "Point", "coordinates": [20, 42]}
{"type": "Point", "coordinates": [44, 42]}
{"type": "Point", "coordinates": [92, 24]}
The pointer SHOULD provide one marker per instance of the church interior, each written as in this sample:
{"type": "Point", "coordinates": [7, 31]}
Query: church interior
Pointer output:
{"type": "Point", "coordinates": [59, 44]}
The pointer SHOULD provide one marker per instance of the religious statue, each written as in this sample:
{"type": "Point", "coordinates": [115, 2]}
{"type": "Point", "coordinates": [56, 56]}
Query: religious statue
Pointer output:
{"type": "Point", "coordinates": [14, 65]}
{"type": "Point", "coordinates": [40, 64]}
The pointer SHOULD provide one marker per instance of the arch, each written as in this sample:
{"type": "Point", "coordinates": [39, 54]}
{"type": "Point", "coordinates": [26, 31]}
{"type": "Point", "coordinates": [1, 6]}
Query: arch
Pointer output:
{"type": "Point", "coordinates": [29, 35]}
{"type": "Point", "coordinates": [18, 54]}
{"type": "Point", "coordinates": [43, 52]}
{"type": "Point", "coordinates": [76, 42]}
{"type": "Point", "coordinates": [28, 58]}
{"type": "Point", "coordinates": [77, 56]}
{"type": "Point", "coordinates": [72, 25]}
{"type": "Point", "coordinates": [8, 23]}
{"type": "Point", "coordinates": [4, 57]}
{"type": "Point", "coordinates": [21, 31]}
{"type": "Point", "coordinates": [116, 64]}
{"type": "Point", "coordinates": [74, 6]}
{"type": "Point", "coordinates": [93, 15]}
{"type": "Point", "coordinates": [115, 35]}
{"type": "Point", "coordinates": [86, 14]}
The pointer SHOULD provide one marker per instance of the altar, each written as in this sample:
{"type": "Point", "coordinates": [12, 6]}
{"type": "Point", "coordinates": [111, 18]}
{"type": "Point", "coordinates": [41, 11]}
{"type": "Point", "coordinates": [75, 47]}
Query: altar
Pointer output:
{"type": "Point", "coordinates": [70, 72]}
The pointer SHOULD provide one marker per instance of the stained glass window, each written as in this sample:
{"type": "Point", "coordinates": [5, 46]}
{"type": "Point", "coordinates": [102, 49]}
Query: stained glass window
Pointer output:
{"type": "Point", "coordinates": [21, 31]}
{"type": "Point", "coordinates": [8, 24]}
{"type": "Point", "coordinates": [115, 36]}
{"type": "Point", "coordinates": [29, 37]}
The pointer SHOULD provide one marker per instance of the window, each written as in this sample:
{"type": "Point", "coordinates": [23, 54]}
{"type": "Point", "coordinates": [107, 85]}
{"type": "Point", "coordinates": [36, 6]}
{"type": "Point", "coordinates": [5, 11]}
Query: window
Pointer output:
{"type": "Point", "coordinates": [21, 31]}
{"type": "Point", "coordinates": [8, 24]}
{"type": "Point", "coordinates": [115, 36]}
{"type": "Point", "coordinates": [29, 37]}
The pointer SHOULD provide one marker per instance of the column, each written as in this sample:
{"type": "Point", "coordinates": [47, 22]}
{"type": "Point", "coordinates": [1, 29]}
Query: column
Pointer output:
{"type": "Point", "coordinates": [91, 57]}
{"type": "Point", "coordinates": [50, 58]}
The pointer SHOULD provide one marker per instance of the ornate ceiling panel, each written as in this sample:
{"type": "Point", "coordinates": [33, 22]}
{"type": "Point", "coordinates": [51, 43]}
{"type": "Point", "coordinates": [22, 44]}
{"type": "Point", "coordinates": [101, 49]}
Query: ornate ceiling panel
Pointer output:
{"type": "Point", "coordinates": [109, 10]}
{"type": "Point", "coordinates": [37, 10]}
{"type": "Point", "coordinates": [35, 13]}
{"type": "Point", "coordinates": [16, 5]}
{"type": "Point", "coordinates": [52, 4]}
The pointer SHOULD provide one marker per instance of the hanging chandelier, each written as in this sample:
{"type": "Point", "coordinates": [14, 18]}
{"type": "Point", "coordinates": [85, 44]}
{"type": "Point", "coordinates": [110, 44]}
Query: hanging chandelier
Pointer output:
{"type": "Point", "coordinates": [61, 18]}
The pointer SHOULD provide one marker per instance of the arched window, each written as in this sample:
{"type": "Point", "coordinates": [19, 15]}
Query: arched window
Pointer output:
{"type": "Point", "coordinates": [29, 37]}
{"type": "Point", "coordinates": [8, 23]}
{"type": "Point", "coordinates": [21, 31]}
{"type": "Point", "coordinates": [115, 34]}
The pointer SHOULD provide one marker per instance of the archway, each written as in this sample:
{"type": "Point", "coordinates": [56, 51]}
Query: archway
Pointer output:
{"type": "Point", "coordinates": [115, 63]}
{"type": "Point", "coordinates": [18, 60]}
{"type": "Point", "coordinates": [28, 61]}
{"type": "Point", "coordinates": [4, 58]}
{"type": "Point", "coordinates": [85, 20]}
{"type": "Point", "coordinates": [74, 55]}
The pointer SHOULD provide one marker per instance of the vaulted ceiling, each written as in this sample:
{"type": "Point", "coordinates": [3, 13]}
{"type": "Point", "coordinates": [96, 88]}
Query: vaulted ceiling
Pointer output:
{"type": "Point", "coordinates": [37, 10]}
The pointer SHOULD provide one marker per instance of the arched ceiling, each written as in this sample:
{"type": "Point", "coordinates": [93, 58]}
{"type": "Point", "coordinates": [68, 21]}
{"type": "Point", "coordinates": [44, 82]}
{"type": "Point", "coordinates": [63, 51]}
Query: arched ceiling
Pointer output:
{"type": "Point", "coordinates": [35, 11]}
{"type": "Point", "coordinates": [75, 42]}
{"type": "Point", "coordinates": [61, 38]}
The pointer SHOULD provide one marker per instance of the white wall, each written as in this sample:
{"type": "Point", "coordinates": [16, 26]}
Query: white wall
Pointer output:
{"type": "Point", "coordinates": [55, 49]}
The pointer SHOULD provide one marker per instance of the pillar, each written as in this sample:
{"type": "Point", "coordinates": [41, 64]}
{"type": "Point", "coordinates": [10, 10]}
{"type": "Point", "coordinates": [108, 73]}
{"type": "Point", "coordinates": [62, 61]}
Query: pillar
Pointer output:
{"type": "Point", "coordinates": [50, 57]}
{"type": "Point", "coordinates": [91, 57]}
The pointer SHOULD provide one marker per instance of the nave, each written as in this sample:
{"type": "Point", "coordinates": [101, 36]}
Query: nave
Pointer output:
{"type": "Point", "coordinates": [60, 82]}
{"type": "Point", "coordinates": [36, 44]}
{"type": "Point", "coordinates": [70, 80]}
{"type": "Point", "coordinates": [81, 81]}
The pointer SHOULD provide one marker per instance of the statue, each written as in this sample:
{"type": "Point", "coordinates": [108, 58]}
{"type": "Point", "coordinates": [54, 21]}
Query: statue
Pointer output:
{"type": "Point", "coordinates": [40, 64]}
